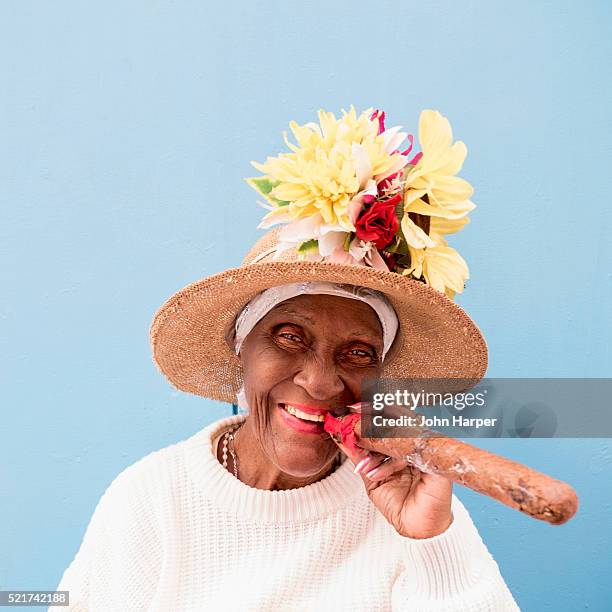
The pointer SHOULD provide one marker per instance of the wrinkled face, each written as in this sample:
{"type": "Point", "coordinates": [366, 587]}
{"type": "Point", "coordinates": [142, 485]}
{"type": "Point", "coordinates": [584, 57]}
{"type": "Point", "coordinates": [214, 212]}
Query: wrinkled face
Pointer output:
{"type": "Point", "coordinates": [308, 355]}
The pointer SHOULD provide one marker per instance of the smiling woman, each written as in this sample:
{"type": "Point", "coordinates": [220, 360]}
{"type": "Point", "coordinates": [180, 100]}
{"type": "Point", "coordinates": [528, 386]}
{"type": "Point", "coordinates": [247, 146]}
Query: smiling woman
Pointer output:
{"type": "Point", "coordinates": [306, 357]}
{"type": "Point", "coordinates": [266, 511]}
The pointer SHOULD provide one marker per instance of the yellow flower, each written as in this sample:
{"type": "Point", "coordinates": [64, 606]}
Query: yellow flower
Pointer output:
{"type": "Point", "coordinates": [330, 164]}
{"type": "Point", "coordinates": [319, 188]}
{"type": "Point", "coordinates": [441, 266]}
{"type": "Point", "coordinates": [434, 176]}
{"type": "Point", "coordinates": [441, 226]}
{"type": "Point", "coordinates": [447, 205]}
{"type": "Point", "coordinates": [435, 172]}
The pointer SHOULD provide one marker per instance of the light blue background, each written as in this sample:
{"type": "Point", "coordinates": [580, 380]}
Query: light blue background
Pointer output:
{"type": "Point", "coordinates": [126, 131]}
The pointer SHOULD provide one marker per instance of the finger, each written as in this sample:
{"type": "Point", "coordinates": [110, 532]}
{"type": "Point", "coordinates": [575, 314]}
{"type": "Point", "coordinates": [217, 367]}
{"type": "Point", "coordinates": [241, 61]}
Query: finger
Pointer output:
{"type": "Point", "coordinates": [370, 462]}
{"type": "Point", "coordinates": [386, 469]}
{"type": "Point", "coordinates": [361, 408]}
{"type": "Point", "coordinates": [354, 454]}
{"type": "Point", "coordinates": [362, 459]}
{"type": "Point", "coordinates": [364, 464]}
{"type": "Point", "coordinates": [436, 485]}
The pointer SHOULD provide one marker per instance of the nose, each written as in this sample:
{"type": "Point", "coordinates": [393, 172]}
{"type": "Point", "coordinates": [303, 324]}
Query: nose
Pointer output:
{"type": "Point", "coordinates": [319, 378]}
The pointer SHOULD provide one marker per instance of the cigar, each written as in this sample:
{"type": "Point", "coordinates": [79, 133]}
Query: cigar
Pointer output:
{"type": "Point", "coordinates": [509, 482]}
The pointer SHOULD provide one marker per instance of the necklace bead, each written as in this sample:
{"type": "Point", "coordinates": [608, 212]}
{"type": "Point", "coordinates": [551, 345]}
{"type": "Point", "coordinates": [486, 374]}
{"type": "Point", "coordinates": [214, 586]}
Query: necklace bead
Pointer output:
{"type": "Point", "coordinates": [228, 444]}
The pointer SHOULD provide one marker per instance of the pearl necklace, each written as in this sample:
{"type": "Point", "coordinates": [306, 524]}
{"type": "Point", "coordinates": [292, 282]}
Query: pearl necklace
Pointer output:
{"type": "Point", "coordinates": [228, 440]}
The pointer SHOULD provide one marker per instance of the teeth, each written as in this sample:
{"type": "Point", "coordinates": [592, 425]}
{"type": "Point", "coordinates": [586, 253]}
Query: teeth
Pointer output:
{"type": "Point", "coordinates": [303, 415]}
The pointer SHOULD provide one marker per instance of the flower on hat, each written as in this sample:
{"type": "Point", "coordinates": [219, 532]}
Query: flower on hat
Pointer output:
{"type": "Point", "coordinates": [347, 194]}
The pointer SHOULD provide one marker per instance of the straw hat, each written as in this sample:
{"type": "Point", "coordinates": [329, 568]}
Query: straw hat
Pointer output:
{"type": "Point", "coordinates": [355, 211]}
{"type": "Point", "coordinates": [192, 332]}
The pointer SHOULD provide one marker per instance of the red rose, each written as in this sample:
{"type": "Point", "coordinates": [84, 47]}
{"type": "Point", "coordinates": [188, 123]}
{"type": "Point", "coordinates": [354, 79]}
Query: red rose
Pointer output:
{"type": "Point", "coordinates": [378, 224]}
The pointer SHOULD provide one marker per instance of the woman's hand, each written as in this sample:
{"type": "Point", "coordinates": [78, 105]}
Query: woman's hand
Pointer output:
{"type": "Point", "coordinates": [416, 503]}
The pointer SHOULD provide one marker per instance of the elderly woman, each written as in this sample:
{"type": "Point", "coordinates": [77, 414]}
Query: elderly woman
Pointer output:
{"type": "Point", "coordinates": [265, 510]}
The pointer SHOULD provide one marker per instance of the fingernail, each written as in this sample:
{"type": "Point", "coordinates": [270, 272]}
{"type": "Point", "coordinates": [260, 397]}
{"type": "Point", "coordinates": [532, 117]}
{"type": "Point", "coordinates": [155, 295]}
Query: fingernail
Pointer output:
{"type": "Point", "coordinates": [372, 472]}
{"type": "Point", "coordinates": [361, 465]}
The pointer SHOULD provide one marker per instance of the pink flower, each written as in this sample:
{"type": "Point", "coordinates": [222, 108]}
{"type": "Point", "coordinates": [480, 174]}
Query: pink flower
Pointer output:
{"type": "Point", "coordinates": [380, 115]}
{"type": "Point", "coordinates": [414, 161]}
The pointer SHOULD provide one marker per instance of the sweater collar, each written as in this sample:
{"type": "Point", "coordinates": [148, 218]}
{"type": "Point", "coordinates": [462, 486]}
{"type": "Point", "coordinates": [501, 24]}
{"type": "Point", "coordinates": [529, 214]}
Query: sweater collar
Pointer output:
{"type": "Point", "coordinates": [307, 503]}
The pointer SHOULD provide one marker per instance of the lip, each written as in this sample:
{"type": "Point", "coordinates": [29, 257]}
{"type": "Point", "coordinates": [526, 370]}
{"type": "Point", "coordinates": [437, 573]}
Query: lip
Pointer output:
{"type": "Point", "coordinates": [299, 424]}
{"type": "Point", "coordinates": [307, 409]}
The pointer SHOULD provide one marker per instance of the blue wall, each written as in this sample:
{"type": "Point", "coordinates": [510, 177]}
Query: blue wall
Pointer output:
{"type": "Point", "coordinates": [126, 130]}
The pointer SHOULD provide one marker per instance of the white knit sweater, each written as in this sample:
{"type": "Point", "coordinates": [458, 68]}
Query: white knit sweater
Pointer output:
{"type": "Point", "coordinates": [176, 531]}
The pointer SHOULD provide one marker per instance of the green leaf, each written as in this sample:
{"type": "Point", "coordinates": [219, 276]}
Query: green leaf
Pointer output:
{"type": "Point", "coordinates": [347, 241]}
{"type": "Point", "coordinates": [399, 245]}
{"type": "Point", "coordinates": [399, 209]}
{"type": "Point", "coordinates": [264, 186]}
{"type": "Point", "coordinates": [309, 246]}
{"type": "Point", "coordinates": [404, 261]}
{"type": "Point", "coordinates": [392, 248]}
{"type": "Point", "coordinates": [406, 170]}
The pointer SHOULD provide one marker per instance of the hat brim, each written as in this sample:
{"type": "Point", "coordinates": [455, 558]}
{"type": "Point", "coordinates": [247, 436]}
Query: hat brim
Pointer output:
{"type": "Point", "coordinates": [436, 338]}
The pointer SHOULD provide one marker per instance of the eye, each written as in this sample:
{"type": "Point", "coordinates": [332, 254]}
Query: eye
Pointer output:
{"type": "Point", "coordinates": [291, 337]}
{"type": "Point", "coordinates": [360, 356]}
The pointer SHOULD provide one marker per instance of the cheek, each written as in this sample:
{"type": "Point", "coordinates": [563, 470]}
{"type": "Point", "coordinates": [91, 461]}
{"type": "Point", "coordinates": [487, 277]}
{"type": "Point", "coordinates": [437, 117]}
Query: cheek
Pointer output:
{"type": "Point", "coordinates": [355, 374]}
{"type": "Point", "coordinates": [264, 372]}
{"type": "Point", "coordinates": [266, 366]}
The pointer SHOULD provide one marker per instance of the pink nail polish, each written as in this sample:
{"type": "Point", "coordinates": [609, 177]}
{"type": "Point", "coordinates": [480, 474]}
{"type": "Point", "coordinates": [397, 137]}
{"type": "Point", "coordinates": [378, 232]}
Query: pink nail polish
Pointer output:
{"type": "Point", "coordinates": [358, 405]}
{"type": "Point", "coordinates": [361, 465]}
{"type": "Point", "coordinates": [372, 472]}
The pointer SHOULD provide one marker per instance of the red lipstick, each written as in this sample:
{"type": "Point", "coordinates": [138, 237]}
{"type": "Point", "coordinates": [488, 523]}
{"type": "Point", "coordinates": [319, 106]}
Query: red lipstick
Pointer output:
{"type": "Point", "coordinates": [307, 409]}
{"type": "Point", "coordinates": [309, 427]}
